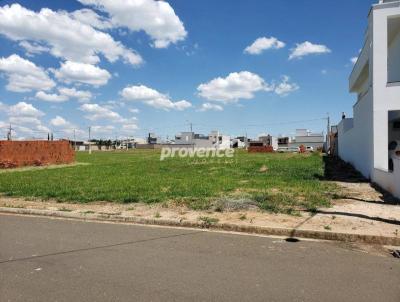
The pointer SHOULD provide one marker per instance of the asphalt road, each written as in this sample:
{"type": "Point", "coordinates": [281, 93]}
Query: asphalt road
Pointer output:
{"type": "Point", "coordinates": [45, 259]}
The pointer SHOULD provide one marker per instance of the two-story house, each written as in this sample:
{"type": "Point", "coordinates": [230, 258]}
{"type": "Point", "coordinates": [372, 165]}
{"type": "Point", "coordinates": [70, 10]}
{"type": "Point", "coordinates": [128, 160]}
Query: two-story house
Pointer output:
{"type": "Point", "coordinates": [365, 139]}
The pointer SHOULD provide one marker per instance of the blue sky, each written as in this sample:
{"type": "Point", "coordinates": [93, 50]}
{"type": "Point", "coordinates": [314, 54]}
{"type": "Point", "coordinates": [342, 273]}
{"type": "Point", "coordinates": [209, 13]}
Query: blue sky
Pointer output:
{"type": "Point", "coordinates": [130, 67]}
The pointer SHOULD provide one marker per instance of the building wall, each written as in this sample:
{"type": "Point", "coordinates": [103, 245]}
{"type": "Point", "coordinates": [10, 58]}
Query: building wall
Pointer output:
{"type": "Point", "coordinates": [355, 139]}
{"type": "Point", "coordinates": [389, 180]}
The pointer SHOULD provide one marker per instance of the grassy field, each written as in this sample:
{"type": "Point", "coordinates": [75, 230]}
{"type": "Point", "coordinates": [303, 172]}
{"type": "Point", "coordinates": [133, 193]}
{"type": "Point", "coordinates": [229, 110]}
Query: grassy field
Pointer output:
{"type": "Point", "coordinates": [276, 182]}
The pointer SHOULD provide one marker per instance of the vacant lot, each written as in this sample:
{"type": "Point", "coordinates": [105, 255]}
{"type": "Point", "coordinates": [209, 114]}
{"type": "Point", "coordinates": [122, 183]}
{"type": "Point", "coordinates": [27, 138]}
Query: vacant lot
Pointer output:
{"type": "Point", "coordinates": [275, 182]}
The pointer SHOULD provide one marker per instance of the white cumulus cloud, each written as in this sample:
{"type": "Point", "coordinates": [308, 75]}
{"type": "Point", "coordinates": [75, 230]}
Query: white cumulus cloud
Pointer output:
{"type": "Point", "coordinates": [156, 18]}
{"type": "Point", "coordinates": [23, 75]}
{"type": "Point", "coordinates": [263, 43]}
{"type": "Point", "coordinates": [307, 48]}
{"type": "Point", "coordinates": [70, 72]}
{"type": "Point", "coordinates": [152, 98]}
{"type": "Point", "coordinates": [24, 109]}
{"type": "Point", "coordinates": [59, 121]}
{"type": "Point", "coordinates": [353, 60]}
{"type": "Point", "coordinates": [237, 85]}
{"type": "Point", "coordinates": [51, 97]}
{"type": "Point", "coordinates": [241, 85]}
{"type": "Point", "coordinates": [33, 48]}
{"type": "Point", "coordinates": [89, 17]}
{"type": "Point", "coordinates": [80, 95]}
{"type": "Point", "coordinates": [209, 106]}
{"type": "Point", "coordinates": [25, 120]}
{"type": "Point", "coordinates": [96, 112]}
{"type": "Point", "coordinates": [285, 87]}
{"type": "Point", "coordinates": [63, 34]}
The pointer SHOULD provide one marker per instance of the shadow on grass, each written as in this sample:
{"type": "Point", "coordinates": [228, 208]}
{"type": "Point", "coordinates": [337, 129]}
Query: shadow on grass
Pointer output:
{"type": "Point", "coordinates": [336, 169]}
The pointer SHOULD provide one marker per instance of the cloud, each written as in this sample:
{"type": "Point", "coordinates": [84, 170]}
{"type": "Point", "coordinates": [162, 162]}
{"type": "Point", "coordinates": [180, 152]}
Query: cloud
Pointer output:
{"type": "Point", "coordinates": [237, 85]}
{"type": "Point", "coordinates": [152, 98]}
{"type": "Point", "coordinates": [96, 112]}
{"type": "Point", "coordinates": [353, 60]}
{"type": "Point", "coordinates": [285, 87]}
{"type": "Point", "coordinates": [24, 109]}
{"type": "Point", "coordinates": [100, 130]}
{"type": "Point", "coordinates": [307, 48]}
{"type": "Point", "coordinates": [241, 85]}
{"type": "Point", "coordinates": [33, 48]}
{"type": "Point", "coordinates": [156, 18]}
{"type": "Point", "coordinates": [23, 75]}
{"type": "Point", "coordinates": [59, 121]}
{"type": "Point", "coordinates": [81, 95]}
{"type": "Point", "coordinates": [89, 17]}
{"type": "Point", "coordinates": [262, 44]}
{"type": "Point", "coordinates": [64, 128]}
{"type": "Point", "coordinates": [63, 35]}
{"type": "Point", "coordinates": [70, 72]}
{"type": "Point", "coordinates": [209, 106]}
{"type": "Point", "coordinates": [129, 127]}
{"type": "Point", "coordinates": [25, 120]}
{"type": "Point", "coordinates": [51, 97]}
{"type": "Point", "coordinates": [133, 110]}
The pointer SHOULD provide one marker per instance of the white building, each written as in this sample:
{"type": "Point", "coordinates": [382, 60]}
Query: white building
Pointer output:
{"type": "Point", "coordinates": [363, 140]}
{"type": "Point", "coordinates": [219, 140]}
{"type": "Point", "coordinates": [213, 140]}
{"type": "Point", "coordinates": [308, 139]}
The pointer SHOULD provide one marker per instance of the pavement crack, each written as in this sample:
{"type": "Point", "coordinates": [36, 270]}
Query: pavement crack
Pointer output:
{"type": "Point", "coordinates": [97, 247]}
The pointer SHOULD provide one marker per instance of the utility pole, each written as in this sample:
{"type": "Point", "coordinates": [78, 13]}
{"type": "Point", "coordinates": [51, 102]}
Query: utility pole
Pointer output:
{"type": "Point", "coordinates": [9, 133]}
{"type": "Point", "coordinates": [90, 145]}
{"type": "Point", "coordinates": [190, 125]}
{"type": "Point", "coordinates": [328, 135]}
{"type": "Point", "coordinates": [74, 141]}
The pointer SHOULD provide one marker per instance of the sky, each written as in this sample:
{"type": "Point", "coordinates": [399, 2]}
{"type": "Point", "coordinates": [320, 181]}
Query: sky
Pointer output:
{"type": "Point", "coordinates": [129, 67]}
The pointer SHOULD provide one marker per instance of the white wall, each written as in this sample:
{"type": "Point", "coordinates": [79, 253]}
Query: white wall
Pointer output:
{"type": "Point", "coordinates": [355, 144]}
{"type": "Point", "coordinates": [390, 181]}
{"type": "Point", "coordinates": [386, 97]}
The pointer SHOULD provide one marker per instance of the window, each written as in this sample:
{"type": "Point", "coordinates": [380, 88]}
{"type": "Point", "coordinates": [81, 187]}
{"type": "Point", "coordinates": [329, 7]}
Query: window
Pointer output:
{"type": "Point", "coordinates": [393, 58]}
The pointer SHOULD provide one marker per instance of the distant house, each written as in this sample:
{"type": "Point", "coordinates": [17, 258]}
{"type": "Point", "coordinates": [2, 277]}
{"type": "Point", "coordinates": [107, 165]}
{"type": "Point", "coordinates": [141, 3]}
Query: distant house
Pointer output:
{"type": "Point", "coordinates": [368, 141]}
{"type": "Point", "coordinates": [269, 140]}
{"type": "Point", "coordinates": [284, 141]}
{"type": "Point", "coordinates": [153, 139]}
{"type": "Point", "coordinates": [220, 141]}
{"type": "Point", "coordinates": [240, 142]}
{"type": "Point", "coordinates": [308, 139]}
{"type": "Point", "coordinates": [213, 140]}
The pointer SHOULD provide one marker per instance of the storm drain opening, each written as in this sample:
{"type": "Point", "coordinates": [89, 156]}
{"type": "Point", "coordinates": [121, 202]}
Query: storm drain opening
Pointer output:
{"type": "Point", "coordinates": [292, 239]}
{"type": "Point", "coordinates": [396, 253]}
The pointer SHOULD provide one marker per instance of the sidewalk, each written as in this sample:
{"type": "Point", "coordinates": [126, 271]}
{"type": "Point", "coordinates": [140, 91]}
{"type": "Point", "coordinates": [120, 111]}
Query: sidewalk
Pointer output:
{"type": "Point", "coordinates": [362, 216]}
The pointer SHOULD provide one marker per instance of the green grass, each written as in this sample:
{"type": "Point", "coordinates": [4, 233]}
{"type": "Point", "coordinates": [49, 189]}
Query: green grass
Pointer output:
{"type": "Point", "coordinates": [291, 181]}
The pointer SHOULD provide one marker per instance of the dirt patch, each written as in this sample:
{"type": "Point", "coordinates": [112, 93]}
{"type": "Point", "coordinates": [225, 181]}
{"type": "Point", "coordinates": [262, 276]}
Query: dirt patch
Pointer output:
{"type": "Point", "coordinates": [35, 153]}
{"type": "Point", "coordinates": [349, 216]}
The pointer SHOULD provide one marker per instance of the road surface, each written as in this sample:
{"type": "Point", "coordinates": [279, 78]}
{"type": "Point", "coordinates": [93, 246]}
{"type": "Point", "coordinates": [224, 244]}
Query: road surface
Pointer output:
{"type": "Point", "coordinates": [44, 259]}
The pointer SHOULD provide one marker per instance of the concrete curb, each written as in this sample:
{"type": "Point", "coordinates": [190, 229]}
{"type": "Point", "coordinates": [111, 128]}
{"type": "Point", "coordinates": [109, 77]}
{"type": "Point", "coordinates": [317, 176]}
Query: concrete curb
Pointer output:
{"type": "Point", "coordinates": [287, 232]}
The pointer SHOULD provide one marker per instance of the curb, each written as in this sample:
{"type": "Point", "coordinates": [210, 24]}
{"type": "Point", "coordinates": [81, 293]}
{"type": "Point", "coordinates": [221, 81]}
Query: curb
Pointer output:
{"type": "Point", "coordinates": [276, 231]}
